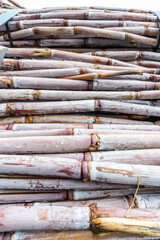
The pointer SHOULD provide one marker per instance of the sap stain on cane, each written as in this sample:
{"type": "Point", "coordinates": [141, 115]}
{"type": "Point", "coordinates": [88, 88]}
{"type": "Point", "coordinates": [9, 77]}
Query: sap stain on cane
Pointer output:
{"type": "Point", "coordinates": [116, 171]}
{"type": "Point", "coordinates": [67, 170]}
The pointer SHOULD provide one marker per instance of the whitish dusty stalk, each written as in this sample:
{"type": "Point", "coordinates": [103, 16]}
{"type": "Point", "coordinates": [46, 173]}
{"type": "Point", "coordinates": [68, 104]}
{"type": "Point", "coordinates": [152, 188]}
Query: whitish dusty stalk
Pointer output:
{"type": "Point", "coordinates": [127, 55]}
{"type": "Point", "coordinates": [71, 131]}
{"type": "Point", "coordinates": [72, 118]}
{"type": "Point", "coordinates": [65, 144]}
{"type": "Point", "coordinates": [25, 108]}
{"type": "Point", "coordinates": [69, 84]}
{"type": "Point", "coordinates": [89, 15]}
{"type": "Point", "coordinates": [54, 126]}
{"type": "Point", "coordinates": [40, 184]}
{"type": "Point", "coordinates": [49, 73]}
{"type": "Point", "coordinates": [34, 95]}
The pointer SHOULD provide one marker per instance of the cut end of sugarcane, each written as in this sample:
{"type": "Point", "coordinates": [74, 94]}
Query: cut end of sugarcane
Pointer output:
{"type": "Point", "coordinates": [127, 225]}
{"type": "Point", "coordinates": [42, 53]}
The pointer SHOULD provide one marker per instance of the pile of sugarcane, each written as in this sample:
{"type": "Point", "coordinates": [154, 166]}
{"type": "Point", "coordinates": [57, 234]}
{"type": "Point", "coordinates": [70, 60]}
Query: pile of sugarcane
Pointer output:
{"type": "Point", "coordinates": [79, 126]}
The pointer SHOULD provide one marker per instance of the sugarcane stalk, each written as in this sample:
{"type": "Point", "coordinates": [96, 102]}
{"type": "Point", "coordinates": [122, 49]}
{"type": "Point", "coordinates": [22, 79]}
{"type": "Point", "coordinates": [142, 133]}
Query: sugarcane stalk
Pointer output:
{"type": "Point", "coordinates": [43, 83]}
{"type": "Point", "coordinates": [17, 4]}
{"type": "Point", "coordinates": [40, 184]}
{"type": "Point", "coordinates": [146, 200]}
{"type": "Point", "coordinates": [142, 77]}
{"type": "Point", "coordinates": [26, 64]}
{"type": "Point", "coordinates": [20, 108]}
{"type": "Point", "coordinates": [54, 132]}
{"type": "Point", "coordinates": [150, 64]}
{"type": "Point", "coordinates": [146, 156]}
{"type": "Point", "coordinates": [71, 131]}
{"type": "Point", "coordinates": [77, 143]}
{"type": "Point", "coordinates": [124, 85]}
{"type": "Point", "coordinates": [100, 75]}
{"type": "Point", "coordinates": [102, 42]}
{"type": "Point", "coordinates": [83, 74]}
{"type": "Point", "coordinates": [62, 168]}
{"type": "Point", "coordinates": [127, 55]}
{"type": "Point", "coordinates": [34, 95]}
{"type": "Point", "coordinates": [46, 73]}
{"type": "Point", "coordinates": [71, 118]}
{"type": "Point", "coordinates": [89, 15]}
{"type": "Point", "coordinates": [54, 126]}
{"type": "Point", "coordinates": [142, 31]}
{"type": "Point", "coordinates": [116, 193]}
{"type": "Point", "coordinates": [32, 197]}
{"type": "Point", "coordinates": [26, 126]}
{"type": "Point", "coordinates": [69, 84]}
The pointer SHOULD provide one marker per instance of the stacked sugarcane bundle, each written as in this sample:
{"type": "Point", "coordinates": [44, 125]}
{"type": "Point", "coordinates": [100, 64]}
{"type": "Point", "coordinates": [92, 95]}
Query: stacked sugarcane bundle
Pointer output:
{"type": "Point", "coordinates": [81, 27]}
{"type": "Point", "coordinates": [79, 126]}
